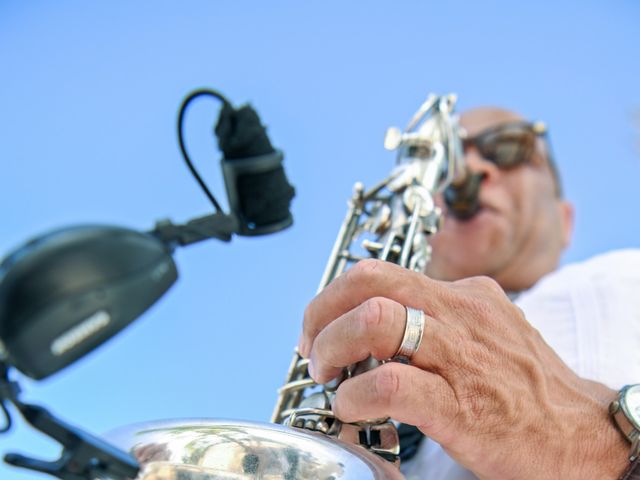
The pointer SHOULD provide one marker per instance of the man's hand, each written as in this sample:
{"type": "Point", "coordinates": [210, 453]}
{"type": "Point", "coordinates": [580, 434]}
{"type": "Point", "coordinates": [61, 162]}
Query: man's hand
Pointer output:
{"type": "Point", "coordinates": [483, 383]}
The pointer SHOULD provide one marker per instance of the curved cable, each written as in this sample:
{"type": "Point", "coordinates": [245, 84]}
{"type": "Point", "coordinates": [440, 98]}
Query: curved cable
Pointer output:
{"type": "Point", "coordinates": [183, 107]}
{"type": "Point", "coordinates": [9, 391]}
{"type": "Point", "coordinates": [7, 418]}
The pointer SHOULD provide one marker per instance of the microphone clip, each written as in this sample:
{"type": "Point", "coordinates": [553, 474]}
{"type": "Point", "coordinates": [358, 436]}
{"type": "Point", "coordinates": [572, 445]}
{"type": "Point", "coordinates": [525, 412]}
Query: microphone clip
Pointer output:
{"type": "Point", "coordinates": [84, 456]}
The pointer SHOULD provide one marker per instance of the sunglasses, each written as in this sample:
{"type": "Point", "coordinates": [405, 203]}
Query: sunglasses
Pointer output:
{"type": "Point", "coordinates": [508, 145]}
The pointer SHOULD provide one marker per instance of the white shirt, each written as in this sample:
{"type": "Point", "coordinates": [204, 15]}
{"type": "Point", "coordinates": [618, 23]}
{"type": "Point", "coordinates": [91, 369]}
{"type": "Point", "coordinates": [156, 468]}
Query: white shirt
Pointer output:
{"type": "Point", "coordinates": [589, 313]}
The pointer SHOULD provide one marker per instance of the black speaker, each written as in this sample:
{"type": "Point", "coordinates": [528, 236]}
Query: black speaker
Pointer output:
{"type": "Point", "coordinates": [64, 293]}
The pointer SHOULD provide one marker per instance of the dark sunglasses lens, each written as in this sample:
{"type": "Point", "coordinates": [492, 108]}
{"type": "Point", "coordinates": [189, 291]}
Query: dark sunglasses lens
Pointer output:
{"type": "Point", "coordinates": [507, 148]}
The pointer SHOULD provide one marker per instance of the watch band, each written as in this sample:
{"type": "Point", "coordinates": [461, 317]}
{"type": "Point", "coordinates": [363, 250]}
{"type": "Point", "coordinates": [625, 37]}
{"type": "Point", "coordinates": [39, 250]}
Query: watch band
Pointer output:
{"type": "Point", "coordinates": [633, 472]}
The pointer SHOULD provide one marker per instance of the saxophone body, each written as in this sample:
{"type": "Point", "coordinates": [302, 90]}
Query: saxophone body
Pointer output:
{"type": "Point", "coordinates": [391, 221]}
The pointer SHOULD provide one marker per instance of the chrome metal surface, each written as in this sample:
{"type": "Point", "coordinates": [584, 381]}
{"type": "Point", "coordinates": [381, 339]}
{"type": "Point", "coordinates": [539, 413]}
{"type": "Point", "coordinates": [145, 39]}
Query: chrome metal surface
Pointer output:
{"type": "Point", "coordinates": [218, 449]}
{"type": "Point", "coordinates": [413, 332]}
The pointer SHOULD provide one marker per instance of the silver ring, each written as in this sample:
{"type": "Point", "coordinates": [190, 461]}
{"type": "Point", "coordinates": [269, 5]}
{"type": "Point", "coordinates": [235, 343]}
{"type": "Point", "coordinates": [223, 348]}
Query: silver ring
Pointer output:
{"type": "Point", "coordinates": [413, 331]}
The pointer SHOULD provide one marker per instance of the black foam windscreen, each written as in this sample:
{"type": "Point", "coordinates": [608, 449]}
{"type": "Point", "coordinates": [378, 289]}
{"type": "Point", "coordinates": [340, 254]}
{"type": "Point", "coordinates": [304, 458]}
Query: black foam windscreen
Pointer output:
{"type": "Point", "coordinates": [240, 133]}
{"type": "Point", "coordinates": [259, 192]}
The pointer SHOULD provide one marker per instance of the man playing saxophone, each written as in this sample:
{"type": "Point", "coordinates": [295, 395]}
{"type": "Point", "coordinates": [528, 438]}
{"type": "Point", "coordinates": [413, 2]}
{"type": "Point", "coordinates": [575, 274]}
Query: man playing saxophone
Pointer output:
{"type": "Point", "coordinates": [517, 361]}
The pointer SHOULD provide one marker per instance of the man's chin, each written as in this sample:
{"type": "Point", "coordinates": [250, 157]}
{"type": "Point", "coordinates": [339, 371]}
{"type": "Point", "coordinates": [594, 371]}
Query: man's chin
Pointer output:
{"type": "Point", "coordinates": [454, 272]}
{"type": "Point", "coordinates": [454, 258]}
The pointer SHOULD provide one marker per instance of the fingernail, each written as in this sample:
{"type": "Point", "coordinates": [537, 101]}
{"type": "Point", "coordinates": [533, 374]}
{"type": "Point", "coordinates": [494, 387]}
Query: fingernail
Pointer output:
{"type": "Point", "coordinates": [334, 405]}
{"type": "Point", "coordinates": [312, 370]}
{"type": "Point", "coordinates": [302, 347]}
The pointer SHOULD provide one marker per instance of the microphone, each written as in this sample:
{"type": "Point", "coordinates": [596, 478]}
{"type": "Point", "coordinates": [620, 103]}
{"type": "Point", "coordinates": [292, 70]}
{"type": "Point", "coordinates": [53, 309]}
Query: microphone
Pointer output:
{"type": "Point", "coordinates": [66, 292]}
{"type": "Point", "coordinates": [257, 186]}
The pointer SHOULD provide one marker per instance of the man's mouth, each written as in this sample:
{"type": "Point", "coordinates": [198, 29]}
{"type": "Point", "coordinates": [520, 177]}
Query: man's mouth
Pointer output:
{"type": "Point", "coordinates": [483, 209]}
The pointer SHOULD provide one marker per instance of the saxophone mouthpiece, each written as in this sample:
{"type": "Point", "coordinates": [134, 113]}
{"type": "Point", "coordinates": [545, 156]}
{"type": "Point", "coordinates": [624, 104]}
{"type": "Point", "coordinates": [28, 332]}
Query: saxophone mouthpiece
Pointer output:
{"type": "Point", "coordinates": [463, 197]}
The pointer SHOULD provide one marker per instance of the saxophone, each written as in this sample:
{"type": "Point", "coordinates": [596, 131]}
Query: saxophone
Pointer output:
{"type": "Point", "coordinates": [392, 221]}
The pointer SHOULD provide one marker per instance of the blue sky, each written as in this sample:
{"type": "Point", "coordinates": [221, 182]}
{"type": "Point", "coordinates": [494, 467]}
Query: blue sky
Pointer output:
{"type": "Point", "coordinates": [89, 93]}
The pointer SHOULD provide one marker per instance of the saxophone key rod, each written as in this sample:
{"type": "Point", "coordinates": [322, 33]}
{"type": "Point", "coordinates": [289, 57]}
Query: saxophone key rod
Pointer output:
{"type": "Point", "coordinates": [408, 241]}
{"type": "Point", "coordinates": [336, 262]}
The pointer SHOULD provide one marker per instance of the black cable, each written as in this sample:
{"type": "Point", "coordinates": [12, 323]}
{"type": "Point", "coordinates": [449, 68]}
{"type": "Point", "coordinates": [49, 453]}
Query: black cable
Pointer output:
{"type": "Point", "coordinates": [9, 391]}
{"type": "Point", "coordinates": [183, 150]}
{"type": "Point", "coordinates": [7, 419]}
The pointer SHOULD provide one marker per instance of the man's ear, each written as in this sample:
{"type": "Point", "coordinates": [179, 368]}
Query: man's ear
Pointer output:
{"type": "Point", "coordinates": [567, 215]}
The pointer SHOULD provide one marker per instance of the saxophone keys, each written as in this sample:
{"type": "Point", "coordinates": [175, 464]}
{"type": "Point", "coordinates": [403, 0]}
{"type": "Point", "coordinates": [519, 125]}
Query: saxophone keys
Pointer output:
{"type": "Point", "coordinates": [322, 426]}
{"type": "Point", "coordinates": [393, 138]}
{"type": "Point", "coordinates": [418, 200]}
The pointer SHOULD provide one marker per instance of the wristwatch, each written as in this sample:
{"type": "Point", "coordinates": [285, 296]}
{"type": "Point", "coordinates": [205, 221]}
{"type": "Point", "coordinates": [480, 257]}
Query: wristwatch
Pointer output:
{"type": "Point", "coordinates": [625, 411]}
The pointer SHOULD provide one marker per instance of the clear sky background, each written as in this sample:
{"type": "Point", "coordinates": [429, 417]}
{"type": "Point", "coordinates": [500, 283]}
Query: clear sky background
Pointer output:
{"type": "Point", "coordinates": [89, 93]}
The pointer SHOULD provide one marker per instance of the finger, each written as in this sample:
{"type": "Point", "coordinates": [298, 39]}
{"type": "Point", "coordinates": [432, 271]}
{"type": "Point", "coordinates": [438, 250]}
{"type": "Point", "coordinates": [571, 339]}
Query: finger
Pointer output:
{"type": "Point", "coordinates": [377, 328]}
{"type": "Point", "coordinates": [402, 392]}
{"type": "Point", "coordinates": [367, 279]}
{"type": "Point", "coordinates": [374, 328]}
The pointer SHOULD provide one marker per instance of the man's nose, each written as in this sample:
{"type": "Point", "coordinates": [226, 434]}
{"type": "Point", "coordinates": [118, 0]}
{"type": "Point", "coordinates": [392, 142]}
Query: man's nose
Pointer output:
{"type": "Point", "coordinates": [478, 164]}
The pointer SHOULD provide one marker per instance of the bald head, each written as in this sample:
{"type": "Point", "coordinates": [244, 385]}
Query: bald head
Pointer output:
{"type": "Point", "coordinates": [478, 119]}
